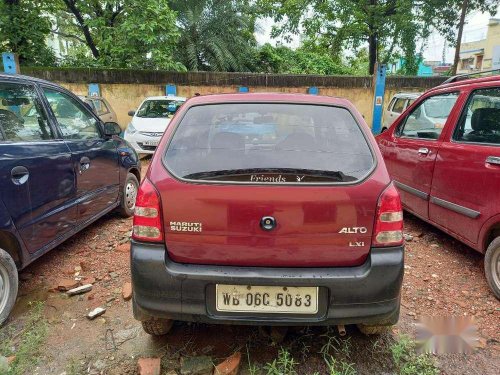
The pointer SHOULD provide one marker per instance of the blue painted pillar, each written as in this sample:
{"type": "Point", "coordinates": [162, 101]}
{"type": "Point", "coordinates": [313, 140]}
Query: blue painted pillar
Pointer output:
{"type": "Point", "coordinates": [94, 89]}
{"type": "Point", "coordinates": [171, 90]}
{"type": "Point", "coordinates": [10, 63]}
{"type": "Point", "coordinates": [378, 101]}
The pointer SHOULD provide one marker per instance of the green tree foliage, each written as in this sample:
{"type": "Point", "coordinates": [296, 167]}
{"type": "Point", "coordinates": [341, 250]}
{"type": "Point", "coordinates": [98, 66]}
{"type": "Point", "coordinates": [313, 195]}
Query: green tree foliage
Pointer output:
{"type": "Point", "coordinates": [119, 33]}
{"type": "Point", "coordinates": [23, 30]}
{"type": "Point", "coordinates": [282, 59]}
{"type": "Point", "coordinates": [215, 34]}
{"type": "Point", "coordinates": [340, 25]}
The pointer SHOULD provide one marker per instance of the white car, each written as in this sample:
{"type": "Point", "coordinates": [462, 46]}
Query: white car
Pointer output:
{"type": "Point", "coordinates": [397, 105]}
{"type": "Point", "coordinates": [150, 121]}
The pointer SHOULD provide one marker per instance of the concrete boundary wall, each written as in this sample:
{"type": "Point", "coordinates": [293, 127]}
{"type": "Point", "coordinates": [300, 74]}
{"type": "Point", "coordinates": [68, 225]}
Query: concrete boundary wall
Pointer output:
{"type": "Point", "coordinates": [125, 88]}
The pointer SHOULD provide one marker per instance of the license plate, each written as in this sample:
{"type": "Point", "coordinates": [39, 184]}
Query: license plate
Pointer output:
{"type": "Point", "coordinates": [267, 299]}
{"type": "Point", "coordinates": [151, 143]}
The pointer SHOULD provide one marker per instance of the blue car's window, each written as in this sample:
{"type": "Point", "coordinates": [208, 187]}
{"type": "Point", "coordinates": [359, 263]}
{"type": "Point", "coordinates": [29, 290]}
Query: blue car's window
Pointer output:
{"type": "Point", "coordinates": [22, 118]}
{"type": "Point", "coordinates": [269, 143]}
{"type": "Point", "coordinates": [74, 120]}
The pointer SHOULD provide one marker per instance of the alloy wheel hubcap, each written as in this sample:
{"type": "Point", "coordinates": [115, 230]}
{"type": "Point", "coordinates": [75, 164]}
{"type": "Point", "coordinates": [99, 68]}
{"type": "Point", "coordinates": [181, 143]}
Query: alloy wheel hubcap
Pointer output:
{"type": "Point", "coordinates": [130, 195]}
{"type": "Point", "coordinates": [4, 287]}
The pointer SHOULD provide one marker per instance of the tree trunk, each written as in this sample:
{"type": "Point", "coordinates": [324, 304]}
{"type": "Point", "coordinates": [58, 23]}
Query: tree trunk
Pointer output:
{"type": "Point", "coordinates": [85, 29]}
{"type": "Point", "coordinates": [459, 36]}
{"type": "Point", "coordinates": [372, 53]}
{"type": "Point", "coordinates": [372, 38]}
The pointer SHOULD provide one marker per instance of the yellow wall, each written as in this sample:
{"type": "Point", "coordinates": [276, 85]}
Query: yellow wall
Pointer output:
{"type": "Point", "coordinates": [126, 97]}
{"type": "Point", "coordinates": [492, 40]}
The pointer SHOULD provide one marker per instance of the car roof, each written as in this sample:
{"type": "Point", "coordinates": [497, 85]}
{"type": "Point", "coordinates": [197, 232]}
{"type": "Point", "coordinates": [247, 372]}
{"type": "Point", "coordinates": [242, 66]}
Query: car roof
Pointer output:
{"type": "Point", "coordinates": [166, 97]}
{"type": "Point", "coordinates": [467, 82]}
{"type": "Point", "coordinates": [23, 78]}
{"type": "Point", "coordinates": [269, 97]}
{"type": "Point", "coordinates": [408, 95]}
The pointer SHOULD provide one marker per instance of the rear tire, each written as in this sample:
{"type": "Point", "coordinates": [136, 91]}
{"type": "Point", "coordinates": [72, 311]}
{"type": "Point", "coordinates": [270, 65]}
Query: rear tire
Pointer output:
{"type": "Point", "coordinates": [9, 284]}
{"type": "Point", "coordinates": [157, 327]}
{"type": "Point", "coordinates": [492, 266]}
{"type": "Point", "coordinates": [129, 193]}
{"type": "Point", "coordinates": [383, 326]}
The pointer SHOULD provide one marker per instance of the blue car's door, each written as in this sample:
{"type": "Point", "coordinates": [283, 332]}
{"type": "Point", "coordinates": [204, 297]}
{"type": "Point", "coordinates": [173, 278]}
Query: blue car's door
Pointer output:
{"type": "Point", "coordinates": [37, 179]}
{"type": "Point", "coordinates": [95, 157]}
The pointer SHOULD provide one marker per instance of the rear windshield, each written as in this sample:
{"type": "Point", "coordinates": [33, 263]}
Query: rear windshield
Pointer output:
{"type": "Point", "coordinates": [269, 143]}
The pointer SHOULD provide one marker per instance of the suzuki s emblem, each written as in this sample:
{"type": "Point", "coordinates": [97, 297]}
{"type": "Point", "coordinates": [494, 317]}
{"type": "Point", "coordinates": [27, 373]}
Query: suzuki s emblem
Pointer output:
{"type": "Point", "coordinates": [268, 223]}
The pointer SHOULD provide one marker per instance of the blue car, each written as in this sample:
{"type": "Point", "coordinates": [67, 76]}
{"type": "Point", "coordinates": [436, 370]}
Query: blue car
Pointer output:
{"type": "Point", "coordinates": [61, 168]}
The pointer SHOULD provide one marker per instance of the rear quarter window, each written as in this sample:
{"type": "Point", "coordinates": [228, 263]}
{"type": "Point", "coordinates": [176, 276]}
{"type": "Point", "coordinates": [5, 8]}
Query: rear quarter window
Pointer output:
{"type": "Point", "coordinates": [269, 143]}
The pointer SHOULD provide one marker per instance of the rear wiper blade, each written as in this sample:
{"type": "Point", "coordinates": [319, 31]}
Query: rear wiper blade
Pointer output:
{"type": "Point", "coordinates": [334, 175]}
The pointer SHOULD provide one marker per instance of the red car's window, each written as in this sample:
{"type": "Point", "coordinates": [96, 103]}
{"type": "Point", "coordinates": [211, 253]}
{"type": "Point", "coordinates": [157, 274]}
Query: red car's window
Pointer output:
{"type": "Point", "coordinates": [480, 122]}
{"type": "Point", "coordinates": [428, 118]}
{"type": "Point", "coordinates": [269, 143]}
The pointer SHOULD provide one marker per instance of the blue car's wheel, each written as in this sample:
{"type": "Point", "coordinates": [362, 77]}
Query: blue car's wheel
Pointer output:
{"type": "Point", "coordinates": [8, 285]}
{"type": "Point", "coordinates": [129, 193]}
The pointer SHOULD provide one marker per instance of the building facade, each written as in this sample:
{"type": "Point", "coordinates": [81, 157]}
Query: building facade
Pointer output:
{"type": "Point", "coordinates": [483, 54]}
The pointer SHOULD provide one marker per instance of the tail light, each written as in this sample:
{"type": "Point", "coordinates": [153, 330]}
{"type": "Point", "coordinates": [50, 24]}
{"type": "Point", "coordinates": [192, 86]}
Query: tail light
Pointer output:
{"type": "Point", "coordinates": [147, 215]}
{"type": "Point", "coordinates": [389, 219]}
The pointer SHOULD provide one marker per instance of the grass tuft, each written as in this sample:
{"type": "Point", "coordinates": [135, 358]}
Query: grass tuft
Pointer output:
{"type": "Point", "coordinates": [283, 365]}
{"type": "Point", "coordinates": [27, 348]}
{"type": "Point", "coordinates": [408, 362]}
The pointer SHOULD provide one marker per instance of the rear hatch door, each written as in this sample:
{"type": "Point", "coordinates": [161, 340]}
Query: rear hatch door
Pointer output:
{"type": "Point", "coordinates": [268, 184]}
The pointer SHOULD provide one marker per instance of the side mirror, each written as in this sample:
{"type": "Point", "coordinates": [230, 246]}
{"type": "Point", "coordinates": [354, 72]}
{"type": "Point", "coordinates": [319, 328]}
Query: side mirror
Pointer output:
{"type": "Point", "coordinates": [112, 128]}
{"type": "Point", "coordinates": [131, 113]}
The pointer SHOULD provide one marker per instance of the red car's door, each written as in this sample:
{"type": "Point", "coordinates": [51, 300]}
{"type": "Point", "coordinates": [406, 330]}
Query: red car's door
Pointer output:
{"type": "Point", "coordinates": [466, 186]}
{"type": "Point", "coordinates": [411, 147]}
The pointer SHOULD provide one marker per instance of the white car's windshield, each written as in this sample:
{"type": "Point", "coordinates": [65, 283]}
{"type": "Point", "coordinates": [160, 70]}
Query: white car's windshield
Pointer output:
{"type": "Point", "coordinates": [158, 108]}
{"type": "Point", "coordinates": [439, 107]}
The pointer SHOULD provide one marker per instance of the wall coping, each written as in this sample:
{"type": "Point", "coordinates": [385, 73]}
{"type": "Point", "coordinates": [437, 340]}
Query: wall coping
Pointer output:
{"type": "Point", "coordinates": [133, 76]}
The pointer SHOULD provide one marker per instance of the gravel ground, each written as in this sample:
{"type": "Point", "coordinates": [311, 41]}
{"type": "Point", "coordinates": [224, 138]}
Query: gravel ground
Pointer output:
{"type": "Point", "coordinates": [442, 278]}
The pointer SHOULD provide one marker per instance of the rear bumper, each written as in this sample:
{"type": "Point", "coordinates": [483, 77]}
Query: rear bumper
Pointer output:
{"type": "Point", "coordinates": [368, 293]}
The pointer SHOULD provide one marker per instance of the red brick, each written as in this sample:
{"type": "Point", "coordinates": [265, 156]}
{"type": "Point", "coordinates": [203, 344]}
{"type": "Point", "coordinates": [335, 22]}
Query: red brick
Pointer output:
{"type": "Point", "coordinates": [127, 291]}
{"type": "Point", "coordinates": [67, 284]}
{"type": "Point", "coordinates": [123, 248]}
{"type": "Point", "coordinates": [230, 366]}
{"type": "Point", "coordinates": [89, 280]}
{"type": "Point", "coordinates": [149, 366]}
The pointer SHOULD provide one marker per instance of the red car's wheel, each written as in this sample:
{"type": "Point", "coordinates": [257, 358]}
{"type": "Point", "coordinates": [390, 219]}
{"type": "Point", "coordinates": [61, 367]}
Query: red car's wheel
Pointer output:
{"type": "Point", "coordinates": [492, 266]}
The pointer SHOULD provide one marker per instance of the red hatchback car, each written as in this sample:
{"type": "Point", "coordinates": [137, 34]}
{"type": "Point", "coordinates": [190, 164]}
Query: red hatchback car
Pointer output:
{"type": "Point", "coordinates": [267, 209]}
{"type": "Point", "coordinates": [443, 154]}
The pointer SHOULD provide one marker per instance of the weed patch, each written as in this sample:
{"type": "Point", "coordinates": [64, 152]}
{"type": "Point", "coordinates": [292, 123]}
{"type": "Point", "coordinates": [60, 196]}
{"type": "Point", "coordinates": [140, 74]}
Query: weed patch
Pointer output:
{"type": "Point", "coordinates": [284, 364]}
{"type": "Point", "coordinates": [408, 362]}
{"type": "Point", "coordinates": [27, 345]}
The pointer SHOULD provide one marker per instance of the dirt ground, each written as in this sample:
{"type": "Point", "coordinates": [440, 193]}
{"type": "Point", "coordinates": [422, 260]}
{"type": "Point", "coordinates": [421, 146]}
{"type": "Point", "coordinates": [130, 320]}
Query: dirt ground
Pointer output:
{"type": "Point", "coordinates": [442, 278]}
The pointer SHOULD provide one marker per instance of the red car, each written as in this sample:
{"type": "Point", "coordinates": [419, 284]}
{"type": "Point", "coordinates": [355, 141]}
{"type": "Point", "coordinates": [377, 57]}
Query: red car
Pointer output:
{"type": "Point", "coordinates": [267, 209]}
{"type": "Point", "coordinates": [443, 154]}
